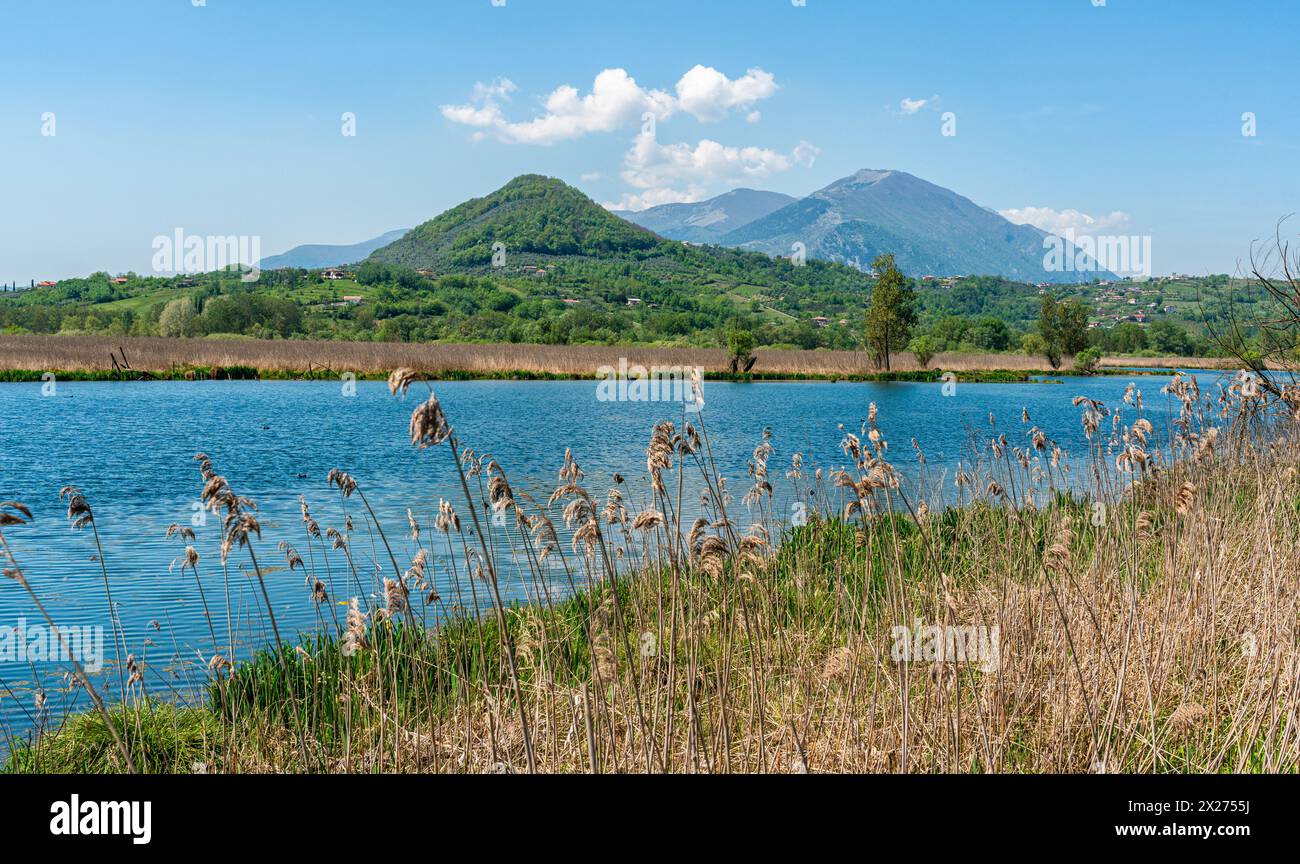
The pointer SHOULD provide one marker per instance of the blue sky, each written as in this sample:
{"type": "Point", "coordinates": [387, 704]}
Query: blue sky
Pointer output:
{"type": "Point", "coordinates": [227, 118]}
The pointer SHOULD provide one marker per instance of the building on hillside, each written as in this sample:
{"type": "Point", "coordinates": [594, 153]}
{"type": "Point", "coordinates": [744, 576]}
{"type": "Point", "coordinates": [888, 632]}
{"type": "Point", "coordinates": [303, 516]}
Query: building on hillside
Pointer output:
{"type": "Point", "coordinates": [821, 321]}
{"type": "Point", "coordinates": [352, 299]}
{"type": "Point", "coordinates": [332, 273]}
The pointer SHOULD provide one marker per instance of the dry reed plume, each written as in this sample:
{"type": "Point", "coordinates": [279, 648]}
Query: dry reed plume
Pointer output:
{"type": "Point", "coordinates": [1148, 626]}
{"type": "Point", "coordinates": [156, 354]}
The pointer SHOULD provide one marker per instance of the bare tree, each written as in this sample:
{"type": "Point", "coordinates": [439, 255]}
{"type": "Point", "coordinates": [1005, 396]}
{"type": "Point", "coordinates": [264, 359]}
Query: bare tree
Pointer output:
{"type": "Point", "coordinates": [1264, 336]}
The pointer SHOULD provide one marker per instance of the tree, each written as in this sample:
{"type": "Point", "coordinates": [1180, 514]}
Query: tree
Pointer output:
{"type": "Point", "coordinates": [1033, 345]}
{"type": "Point", "coordinates": [990, 334]}
{"type": "Point", "coordinates": [1063, 326]}
{"type": "Point", "coordinates": [949, 332]}
{"type": "Point", "coordinates": [1126, 338]}
{"type": "Point", "coordinates": [740, 347]}
{"type": "Point", "coordinates": [177, 318]}
{"type": "Point", "coordinates": [923, 348]}
{"type": "Point", "coordinates": [1261, 334]}
{"type": "Point", "coordinates": [1168, 338]}
{"type": "Point", "coordinates": [892, 313]}
{"type": "Point", "coordinates": [1086, 361]}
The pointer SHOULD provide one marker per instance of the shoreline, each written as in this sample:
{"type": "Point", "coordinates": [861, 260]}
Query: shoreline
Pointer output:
{"type": "Point", "coordinates": [934, 376]}
{"type": "Point", "coordinates": [29, 358]}
{"type": "Point", "coordinates": [985, 376]}
{"type": "Point", "coordinates": [382, 689]}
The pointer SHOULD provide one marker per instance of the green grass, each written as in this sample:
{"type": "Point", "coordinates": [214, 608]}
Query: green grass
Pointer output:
{"type": "Point", "coordinates": [775, 647]}
{"type": "Point", "coordinates": [163, 738]}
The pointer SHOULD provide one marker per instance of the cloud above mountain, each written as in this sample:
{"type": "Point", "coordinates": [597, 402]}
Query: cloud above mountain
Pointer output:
{"type": "Point", "coordinates": [709, 95]}
{"type": "Point", "coordinates": [614, 101]}
{"type": "Point", "coordinates": [670, 173]}
{"type": "Point", "coordinates": [658, 173]}
{"type": "Point", "coordinates": [1060, 222]}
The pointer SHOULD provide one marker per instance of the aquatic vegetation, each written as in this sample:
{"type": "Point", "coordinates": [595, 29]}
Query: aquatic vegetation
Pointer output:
{"type": "Point", "coordinates": [1009, 618]}
{"type": "Point", "coordinates": [89, 358]}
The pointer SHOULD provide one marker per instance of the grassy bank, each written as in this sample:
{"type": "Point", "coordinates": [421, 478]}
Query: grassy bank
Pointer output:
{"type": "Point", "coordinates": [1148, 626]}
{"type": "Point", "coordinates": [27, 357]}
{"type": "Point", "coordinates": [247, 373]}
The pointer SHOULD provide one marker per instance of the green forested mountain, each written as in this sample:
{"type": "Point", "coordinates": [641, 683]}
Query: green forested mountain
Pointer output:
{"type": "Point", "coordinates": [574, 273]}
{"type": "Point", "coordinates": [530, 215]}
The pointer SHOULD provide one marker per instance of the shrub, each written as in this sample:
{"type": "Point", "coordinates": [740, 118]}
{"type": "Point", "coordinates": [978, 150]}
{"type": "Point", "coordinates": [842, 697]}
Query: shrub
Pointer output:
{"type": "Point", "coordinates": [923, 348]}
{"type": "Point", "coordinates": [1087, 360]}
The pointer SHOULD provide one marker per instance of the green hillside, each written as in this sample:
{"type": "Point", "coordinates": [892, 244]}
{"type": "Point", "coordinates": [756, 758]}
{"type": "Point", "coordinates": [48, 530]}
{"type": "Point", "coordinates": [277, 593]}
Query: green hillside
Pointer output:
{"type": "Point", "coordinates": [530, 215]}
{"type": "Point", "coordinates": [574, 273]}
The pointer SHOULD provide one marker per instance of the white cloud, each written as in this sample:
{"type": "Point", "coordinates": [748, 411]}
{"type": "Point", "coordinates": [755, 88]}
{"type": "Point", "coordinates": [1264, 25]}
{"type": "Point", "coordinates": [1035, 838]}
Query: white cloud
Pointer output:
{"type": "Point", "coordinates": [484, 115]}
{"type": "Point", "coordinates": [592, 176]}
{"type": "Point", "coordinates": [485, 111]}
{"type": "Point", "coordinates": [709, 95]}
{"type": "Point", "coordinates": [498, 89]}
{"type": "Point", "coordinates": [615, 101]}
{"type": "Point", "coordinates": [1060, 221]}
{"type": "Point", "coordinates": [806, 153]}
{"type": "Point", "coordinates": [667, 173]}
{"type": "Point", "coordinates": [753, 116]}
{"type": "Point", "coordinates": [654, 197]}
{"type": "Point", "coordinates": [907, 106]}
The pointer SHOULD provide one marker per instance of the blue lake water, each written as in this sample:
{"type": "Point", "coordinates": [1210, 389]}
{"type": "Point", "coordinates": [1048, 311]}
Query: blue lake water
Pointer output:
{"type": "Point", "coordinates": [130, 448]}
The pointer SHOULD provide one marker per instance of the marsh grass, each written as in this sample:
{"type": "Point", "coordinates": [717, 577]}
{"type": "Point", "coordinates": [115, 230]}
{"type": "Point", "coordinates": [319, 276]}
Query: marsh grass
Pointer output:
{"type": "Point", "coordinates": [1144, 592]}
{"type": "Point", "coordinates": [26, 357]}
{"type": "Point", "coordinates": [163, 738]}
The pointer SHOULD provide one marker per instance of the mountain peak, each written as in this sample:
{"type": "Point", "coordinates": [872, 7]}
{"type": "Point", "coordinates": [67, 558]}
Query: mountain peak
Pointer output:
{"type": "Point", "coordinates": [531, 214]}
{"type": "Point", "coordinates": [707, 221]}
{"type": "Point", "coordinates": [930, 229]}
{"type": "Point", "coordinates": [869, 175]}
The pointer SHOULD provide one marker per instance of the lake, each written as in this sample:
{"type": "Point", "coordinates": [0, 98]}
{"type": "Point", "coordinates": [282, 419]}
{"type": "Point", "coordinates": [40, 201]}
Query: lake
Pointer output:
{"type": "Point", "coordinates": [130, 448]}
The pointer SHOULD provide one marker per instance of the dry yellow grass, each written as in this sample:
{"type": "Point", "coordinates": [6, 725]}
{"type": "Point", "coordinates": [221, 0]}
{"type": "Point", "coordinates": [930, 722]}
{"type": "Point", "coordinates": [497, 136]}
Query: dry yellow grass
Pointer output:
{"type": "Point", "coordinates": [154, 354]}
{"type": "Point", "coordinates": [1152, 627]}
{"type": "Point", "coordinates": [1175, 363]}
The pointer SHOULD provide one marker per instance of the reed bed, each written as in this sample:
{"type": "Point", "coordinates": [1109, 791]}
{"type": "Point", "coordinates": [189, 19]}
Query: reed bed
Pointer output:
{"type": "Point", "coordinates": [38, 353]}
{"type": "Point", "coordinates": [1136, 608]}
{"type": "Point", "coordinates": [1228, 363]}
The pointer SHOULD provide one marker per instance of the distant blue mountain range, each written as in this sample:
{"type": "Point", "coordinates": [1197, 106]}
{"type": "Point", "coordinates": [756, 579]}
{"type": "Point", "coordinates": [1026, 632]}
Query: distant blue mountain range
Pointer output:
{"type": "Point", "coordinates": [316, 255]}
{"type": "Point", "coordinates": [929, 229]}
